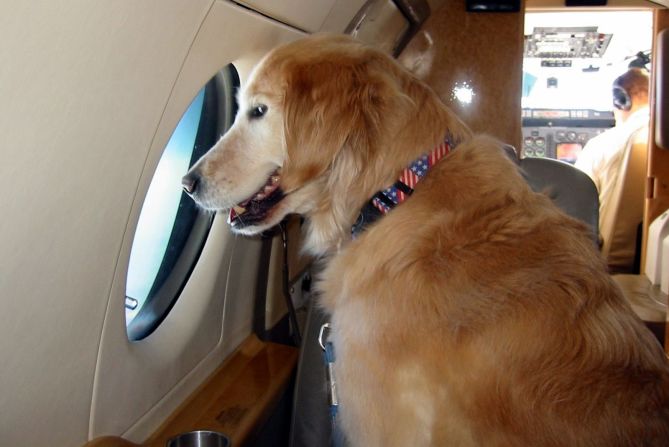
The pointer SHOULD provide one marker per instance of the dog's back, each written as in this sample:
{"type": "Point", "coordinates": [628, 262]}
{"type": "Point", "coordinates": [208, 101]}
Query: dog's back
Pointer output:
{"type": "Point", "coordinates": [487, 318]}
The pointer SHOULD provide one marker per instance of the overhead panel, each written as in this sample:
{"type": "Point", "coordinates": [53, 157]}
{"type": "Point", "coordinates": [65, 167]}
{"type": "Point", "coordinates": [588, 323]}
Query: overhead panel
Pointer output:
{"type": "Point", "coordinates": [389, 24]}
{"type": "Point", "coordinates": [307, 15]}
{"type": "Point", "coordinates": [566, 42]}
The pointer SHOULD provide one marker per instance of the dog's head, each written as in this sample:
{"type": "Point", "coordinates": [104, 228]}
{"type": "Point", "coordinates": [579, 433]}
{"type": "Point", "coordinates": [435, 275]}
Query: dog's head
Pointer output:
{"type": "Point", "coordinates": [316, 124]}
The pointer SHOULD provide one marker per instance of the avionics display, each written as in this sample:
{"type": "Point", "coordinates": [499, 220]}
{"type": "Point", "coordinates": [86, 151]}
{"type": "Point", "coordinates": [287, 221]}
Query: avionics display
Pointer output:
{"type": "Point", "coordinates": [568, 151]}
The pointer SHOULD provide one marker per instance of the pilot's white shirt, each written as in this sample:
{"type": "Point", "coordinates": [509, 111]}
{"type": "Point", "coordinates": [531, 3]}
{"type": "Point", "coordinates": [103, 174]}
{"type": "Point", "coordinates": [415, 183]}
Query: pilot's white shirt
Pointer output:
{"type": "Point", "coordinates": [602, 157]}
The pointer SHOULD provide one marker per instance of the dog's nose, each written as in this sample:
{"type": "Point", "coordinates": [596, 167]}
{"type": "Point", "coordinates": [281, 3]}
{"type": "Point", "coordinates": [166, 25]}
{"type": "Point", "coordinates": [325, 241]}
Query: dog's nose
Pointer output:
{"type": "Point", "coordinates": [189, 182]}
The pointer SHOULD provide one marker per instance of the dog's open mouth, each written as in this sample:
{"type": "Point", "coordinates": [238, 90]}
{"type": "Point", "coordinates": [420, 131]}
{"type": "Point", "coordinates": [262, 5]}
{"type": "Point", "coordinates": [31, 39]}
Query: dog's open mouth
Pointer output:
{"type": "Point", "coordinates": [256, 208]}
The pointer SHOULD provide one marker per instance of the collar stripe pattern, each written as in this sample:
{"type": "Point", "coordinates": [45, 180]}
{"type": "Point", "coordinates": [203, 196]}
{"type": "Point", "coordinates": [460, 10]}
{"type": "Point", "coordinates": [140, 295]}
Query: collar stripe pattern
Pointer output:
{"type": "Point", "coordinates": [390, 197]}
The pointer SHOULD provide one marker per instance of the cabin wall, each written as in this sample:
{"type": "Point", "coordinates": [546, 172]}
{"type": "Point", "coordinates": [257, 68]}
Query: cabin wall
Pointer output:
{"type": "Point", "coordinates": [215, 311]}
{"type": "Point", "coordinates": [482, 51]}
{"type": "Point", "coordinates": [657, 194]}
{"type": "Point", "coordinates": [658, 158]}
{"type": "Point", "coordinates": [83, 87]}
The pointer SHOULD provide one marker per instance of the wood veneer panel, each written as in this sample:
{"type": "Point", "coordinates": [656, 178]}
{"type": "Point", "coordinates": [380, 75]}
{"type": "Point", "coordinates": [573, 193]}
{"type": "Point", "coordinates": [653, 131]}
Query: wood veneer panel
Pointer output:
{"type": "Point", "coordinates": [236, 399]}
{"type": "Point", "coordinates": [658, 158]}
{"type": "Point", "coordinates": [657, 200]}
{"type": "Point", "coordinates": [483, 50]}
{"type": "Point", "coordinates": [110, 441]}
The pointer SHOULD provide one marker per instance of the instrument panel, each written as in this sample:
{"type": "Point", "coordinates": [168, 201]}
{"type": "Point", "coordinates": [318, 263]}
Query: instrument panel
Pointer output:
{"type": "Point", "coordinates": [566, 42]}
{"type": "Point", "coordinates": [561, 133]}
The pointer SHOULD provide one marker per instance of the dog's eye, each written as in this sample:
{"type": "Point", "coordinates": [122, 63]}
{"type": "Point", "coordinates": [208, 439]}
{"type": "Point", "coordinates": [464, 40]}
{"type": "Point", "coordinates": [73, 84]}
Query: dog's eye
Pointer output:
{"type": "Point", "coordinates": [257, 111]}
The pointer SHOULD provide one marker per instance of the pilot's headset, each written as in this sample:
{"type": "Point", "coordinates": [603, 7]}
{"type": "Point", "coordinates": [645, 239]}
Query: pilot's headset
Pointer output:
{"type": "Point", "coordinates": [621, 99]}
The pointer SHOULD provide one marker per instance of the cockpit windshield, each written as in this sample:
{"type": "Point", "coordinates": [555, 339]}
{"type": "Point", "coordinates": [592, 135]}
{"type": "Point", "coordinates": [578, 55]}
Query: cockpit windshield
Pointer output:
{"type": "Point", "coordinates": [572, 58]}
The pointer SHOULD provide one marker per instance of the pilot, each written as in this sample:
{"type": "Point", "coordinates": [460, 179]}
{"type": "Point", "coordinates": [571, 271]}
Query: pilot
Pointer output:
{"type": "Point", "coordinates": [602, 159]}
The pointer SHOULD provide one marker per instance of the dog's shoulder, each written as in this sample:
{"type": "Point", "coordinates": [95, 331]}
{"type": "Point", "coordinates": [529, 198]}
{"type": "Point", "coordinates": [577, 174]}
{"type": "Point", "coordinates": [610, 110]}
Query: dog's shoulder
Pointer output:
{"type": "Point", "coordinates": [472, 221]}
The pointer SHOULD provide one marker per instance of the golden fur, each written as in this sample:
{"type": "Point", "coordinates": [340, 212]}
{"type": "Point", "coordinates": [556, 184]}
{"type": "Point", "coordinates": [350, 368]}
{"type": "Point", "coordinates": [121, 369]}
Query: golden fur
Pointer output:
{"type": "Point", "coordinates": [475, 313]}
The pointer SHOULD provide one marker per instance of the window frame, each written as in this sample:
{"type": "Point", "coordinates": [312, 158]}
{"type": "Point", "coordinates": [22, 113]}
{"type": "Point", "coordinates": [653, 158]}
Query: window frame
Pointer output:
{"type": "Point", "coordinates": [192, 224]}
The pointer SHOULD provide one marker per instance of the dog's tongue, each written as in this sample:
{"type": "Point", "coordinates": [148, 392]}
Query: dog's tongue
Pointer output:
{"type": "Point", "coordinates": [235, 212]}
{"type": "Point", "coordinates": [256, 207]}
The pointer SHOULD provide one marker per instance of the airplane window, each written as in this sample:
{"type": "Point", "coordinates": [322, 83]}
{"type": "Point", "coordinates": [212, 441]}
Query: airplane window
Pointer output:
{"type": "Point", "coordinates": [172, 230]}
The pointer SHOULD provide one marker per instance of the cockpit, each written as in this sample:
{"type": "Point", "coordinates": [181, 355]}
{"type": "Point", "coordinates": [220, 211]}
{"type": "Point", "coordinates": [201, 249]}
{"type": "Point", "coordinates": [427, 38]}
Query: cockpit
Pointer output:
{"type": "Point", "coordinates": [570, 62]}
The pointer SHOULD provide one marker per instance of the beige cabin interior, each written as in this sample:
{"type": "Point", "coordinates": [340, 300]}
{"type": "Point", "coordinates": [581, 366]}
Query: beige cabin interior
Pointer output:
{"type": "Point", "coordinates": [91, 93]}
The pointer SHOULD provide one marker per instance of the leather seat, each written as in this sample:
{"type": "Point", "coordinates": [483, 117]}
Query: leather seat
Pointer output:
{"type": "Point", "coordinates": [621, 219]}
{"type": "Point", "coordinates": [311, 425]}
{"type": "Point", "coordinates": [569, 188]}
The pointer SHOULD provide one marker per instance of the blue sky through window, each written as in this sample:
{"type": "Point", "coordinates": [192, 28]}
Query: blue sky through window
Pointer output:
{"type": "Point", "coordinates": [160, 207]}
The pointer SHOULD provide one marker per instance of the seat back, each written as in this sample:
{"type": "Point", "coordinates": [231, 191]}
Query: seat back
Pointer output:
{"type": "Point", "coordinates": [622, 215]}
{"type": "Point", "coordinates": [568, 187]}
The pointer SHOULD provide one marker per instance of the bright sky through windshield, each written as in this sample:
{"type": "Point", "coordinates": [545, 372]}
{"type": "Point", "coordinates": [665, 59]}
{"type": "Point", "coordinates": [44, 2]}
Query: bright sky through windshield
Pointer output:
{"type": "Point", "coordinates": [571, 87]}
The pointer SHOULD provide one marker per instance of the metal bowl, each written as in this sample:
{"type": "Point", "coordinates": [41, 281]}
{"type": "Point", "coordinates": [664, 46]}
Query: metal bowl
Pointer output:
{"type": "Point", "coordinates": [199, 438]}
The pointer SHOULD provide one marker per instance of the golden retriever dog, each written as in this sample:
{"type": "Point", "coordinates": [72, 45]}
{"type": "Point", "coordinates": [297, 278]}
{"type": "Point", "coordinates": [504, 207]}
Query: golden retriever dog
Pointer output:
{"type": "Point", "coordinates": [474, 313]}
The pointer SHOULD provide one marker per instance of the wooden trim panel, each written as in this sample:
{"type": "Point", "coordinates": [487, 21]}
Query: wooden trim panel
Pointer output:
{"type": "Point", "coordinates": [235, 400]}
{"type": "Point", "coordinates": [657, 200]}
{"type": "Point", "coordinates": [110, 441]}
{"type": "Point", "coordinates": [480, 51]}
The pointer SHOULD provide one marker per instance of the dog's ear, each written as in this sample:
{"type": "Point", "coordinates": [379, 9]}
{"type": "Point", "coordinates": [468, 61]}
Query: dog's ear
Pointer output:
{"type": "Point", "coordinates": [330, 107]}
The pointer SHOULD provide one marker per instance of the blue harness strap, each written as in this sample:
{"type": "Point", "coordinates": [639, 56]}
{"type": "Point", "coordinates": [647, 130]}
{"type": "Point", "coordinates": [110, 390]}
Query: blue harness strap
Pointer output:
{"type": "Point", "coordinates": [329, 357]}
{"type": "Point", "coordinates": [333, 401]}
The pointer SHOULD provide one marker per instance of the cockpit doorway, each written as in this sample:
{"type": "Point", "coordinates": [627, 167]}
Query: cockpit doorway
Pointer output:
{"type": "Point", "coordinates": [573, 110]}
{"type": "Point", "coordinates": [570, 62]}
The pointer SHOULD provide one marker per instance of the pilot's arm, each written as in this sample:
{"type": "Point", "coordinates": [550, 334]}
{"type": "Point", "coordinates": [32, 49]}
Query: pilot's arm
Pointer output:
{"type": "Point", "coordinates": [589, 161]}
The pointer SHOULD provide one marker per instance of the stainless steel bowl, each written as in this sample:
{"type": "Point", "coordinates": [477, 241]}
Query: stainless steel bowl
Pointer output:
{"type": "Point", "coordinates": [199, 438]}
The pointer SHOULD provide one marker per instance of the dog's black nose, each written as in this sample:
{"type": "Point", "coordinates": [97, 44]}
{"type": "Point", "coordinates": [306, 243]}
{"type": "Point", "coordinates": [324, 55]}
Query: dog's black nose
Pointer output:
{"type": "Point", "coordinates": [190, 181]}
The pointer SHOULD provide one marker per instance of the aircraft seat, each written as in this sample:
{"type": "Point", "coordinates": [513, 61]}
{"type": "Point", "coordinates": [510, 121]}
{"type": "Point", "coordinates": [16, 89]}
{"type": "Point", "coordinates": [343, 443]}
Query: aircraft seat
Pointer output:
{"type": "Point", "coordinates": [622, 217]}
{"type": "Point", "coordinates": [569, 188]}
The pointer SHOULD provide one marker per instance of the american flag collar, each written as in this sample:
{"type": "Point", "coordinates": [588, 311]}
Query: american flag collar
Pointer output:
{"type": "Point", "coordinates": [387, 199]}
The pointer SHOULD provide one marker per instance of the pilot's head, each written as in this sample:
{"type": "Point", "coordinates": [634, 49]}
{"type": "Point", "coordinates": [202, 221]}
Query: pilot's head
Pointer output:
{"type": "Point", "coordinates": [630, 93]}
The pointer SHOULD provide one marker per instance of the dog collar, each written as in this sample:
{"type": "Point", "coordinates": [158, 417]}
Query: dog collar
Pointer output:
{"type": "Point", "coordinates": [387, 199]}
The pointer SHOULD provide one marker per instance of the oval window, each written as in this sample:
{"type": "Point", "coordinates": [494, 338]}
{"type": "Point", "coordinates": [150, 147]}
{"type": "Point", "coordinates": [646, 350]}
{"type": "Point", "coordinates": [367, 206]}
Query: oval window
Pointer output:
{"type": "Point", "coordinates": [172, 230]}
